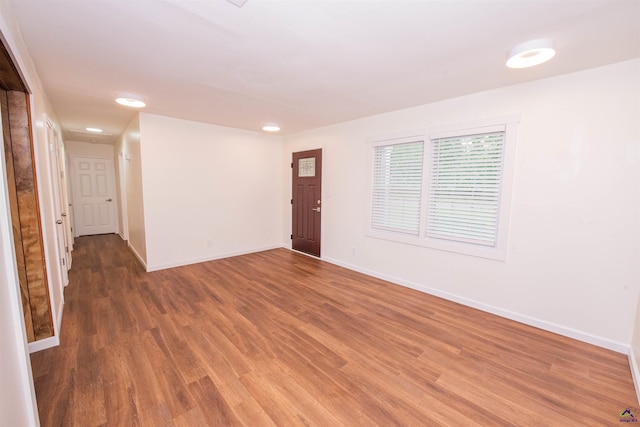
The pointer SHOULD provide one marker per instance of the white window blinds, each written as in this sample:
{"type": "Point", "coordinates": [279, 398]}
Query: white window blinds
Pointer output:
{"type": "Point", "coordinates": [464, 188]}
{"type": "Point", "coordinates": [397, 187]}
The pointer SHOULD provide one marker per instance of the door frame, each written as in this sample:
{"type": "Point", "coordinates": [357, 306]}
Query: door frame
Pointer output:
{"type": "Point", "coordinates": [12, 326]}
{"type": "Point", "coordinates": [116, 202]}
{"type": "Point", "coordinates": [58, 205]}
{"type": "Point", "coordinates": [321, 149]}
{"type": "Point", "coordinates": [122, 182]}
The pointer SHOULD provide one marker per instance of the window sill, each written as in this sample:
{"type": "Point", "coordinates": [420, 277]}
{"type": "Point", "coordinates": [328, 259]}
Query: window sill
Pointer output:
{"type": "Point", "coordinates": [441, 245]}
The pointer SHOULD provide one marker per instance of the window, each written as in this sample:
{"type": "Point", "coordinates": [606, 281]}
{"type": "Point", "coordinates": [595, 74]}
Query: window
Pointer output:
{"type": "Point", "coordinates": [447, 189]}
{"type": "Point", "coordinates": [397, 187]}
{"type": "Point", "coordinates": [464, 188]}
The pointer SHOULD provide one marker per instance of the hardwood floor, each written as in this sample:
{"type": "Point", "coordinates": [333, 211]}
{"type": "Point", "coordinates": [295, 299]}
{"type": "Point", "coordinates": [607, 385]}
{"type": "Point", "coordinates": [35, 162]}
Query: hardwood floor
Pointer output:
{"type": "Point", "coordinates": [278, 338]}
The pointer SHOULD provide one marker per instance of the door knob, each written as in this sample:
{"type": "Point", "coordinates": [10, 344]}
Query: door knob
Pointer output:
{"type": "Point", "coordinates": [316, 209]}
{"type": "Point", "coordinates": [108, 200]}
{"type": "Point", "coordinates": [59, 221]}
{"type": "Point", "coordinates": [63, 214]}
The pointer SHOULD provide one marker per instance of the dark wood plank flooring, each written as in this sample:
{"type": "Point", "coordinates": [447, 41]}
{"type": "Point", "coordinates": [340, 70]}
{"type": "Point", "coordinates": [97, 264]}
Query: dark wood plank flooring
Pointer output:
{"type": "Point", "coordinates": [278, 338]}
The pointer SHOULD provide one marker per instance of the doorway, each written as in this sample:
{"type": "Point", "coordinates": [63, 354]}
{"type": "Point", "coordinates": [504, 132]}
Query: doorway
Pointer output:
{"type": "Point", "coordinates": [94, 203]}
{"type": "Point", "coordinates": [60, 204]}
{"type": "Point", "coordinates": [306, 201]}
{"type": "Point", "coordinates": [25, 215]}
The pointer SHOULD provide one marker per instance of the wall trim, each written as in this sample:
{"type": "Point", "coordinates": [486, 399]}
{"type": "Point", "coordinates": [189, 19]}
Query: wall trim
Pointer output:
{"type": "Point", "coordinates": [44, 344]}
{"type": "Point", "coordinates": [635, 372]}
{"type": "Point", "coordinates": [111, 164]}
{"type": "Point", "coordinates": [212, 258]}
{"type": "Point", "coordinates": [521, 318]}
{"type": "Point", "coordinates": [59, 311]}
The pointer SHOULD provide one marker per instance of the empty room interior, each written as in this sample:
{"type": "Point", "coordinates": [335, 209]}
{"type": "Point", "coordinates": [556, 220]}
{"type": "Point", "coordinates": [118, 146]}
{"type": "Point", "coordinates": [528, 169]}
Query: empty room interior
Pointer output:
{"type": "Point", "coordinates": [271, 212]}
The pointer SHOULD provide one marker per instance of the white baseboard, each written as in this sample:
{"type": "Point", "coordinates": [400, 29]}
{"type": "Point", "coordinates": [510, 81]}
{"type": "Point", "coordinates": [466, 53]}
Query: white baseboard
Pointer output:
{"type": "Point", "coordinates": [53, 341]}
{"type": "Point", "coordinates": [635, 372]}
{"type": "Point", "coordinates": [43, 344]}
{"type": "Point", "coordinates": [137, 255]}
{"type": "Point", "coordinates": [211, 258]}
{"type": "Point", "coordinates": [527, 320]}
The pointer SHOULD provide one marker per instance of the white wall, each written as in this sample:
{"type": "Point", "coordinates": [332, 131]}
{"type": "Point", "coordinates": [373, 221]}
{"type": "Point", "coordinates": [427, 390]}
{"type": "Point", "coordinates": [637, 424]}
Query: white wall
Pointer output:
{"type": "Point", "coordinates": [574, 247]}
{"type": "Point", "coordinates": [209, 191]}
{"type": "Point", "coordinates": [77, 148]}
{"type": "Point", "coordinates": [634, 353]}
{"type": "Point", "coordinates": [41, 110]}
{"type": "Point", "coordinates": [129, 147]}
{"type": "Point", "coordinates": [17, 397]}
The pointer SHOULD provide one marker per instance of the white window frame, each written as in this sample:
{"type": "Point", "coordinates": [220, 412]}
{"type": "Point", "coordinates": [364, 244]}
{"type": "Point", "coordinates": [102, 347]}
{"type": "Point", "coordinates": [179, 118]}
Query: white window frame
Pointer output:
{"type": "Point", "coordinates": [499, 251]}
{"type": "Point", "coordinates": [396, 141]}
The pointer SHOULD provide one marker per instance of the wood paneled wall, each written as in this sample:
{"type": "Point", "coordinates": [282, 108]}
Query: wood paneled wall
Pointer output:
{"type": "Point", "coordinates": [25, 214]}
{"type": "Point", "coordinates": [23, 200]}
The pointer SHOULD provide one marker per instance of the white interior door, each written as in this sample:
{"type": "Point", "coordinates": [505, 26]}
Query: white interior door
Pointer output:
{"type": "Point", "coordinates": [124, 224]}
{"type": "Point", "coordinates": [63, 168]}
{"type": "Point", "coordinates": [64, 198]}
{"type": "Point", "coordinates": [60, 213]}
{"type": "Point", "coordinates": [93, 195]}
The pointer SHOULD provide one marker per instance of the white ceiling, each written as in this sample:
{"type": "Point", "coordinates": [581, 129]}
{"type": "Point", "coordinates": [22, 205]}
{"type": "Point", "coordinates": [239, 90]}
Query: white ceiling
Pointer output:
{"type": "Point", "coordinates": [300, 63]}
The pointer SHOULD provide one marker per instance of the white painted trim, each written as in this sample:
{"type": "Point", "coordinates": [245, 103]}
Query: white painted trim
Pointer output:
{"type": "Point", "coordinates": [635, 372]}
{"type": "Point", "coordinates": [44, 344]}
{"type": "Point", "coordinates": [122, 183]}
{"type": "Point", "coordinates": [527, 320]}
{"type": "Point", "coordinates": [324, 192]}
{"type": "Point", "coordinates": [137, 255]}
{"type": "Point", "coordinates": [72, 171]}
{"type": "Point", "coordinates": [305, 254]}
{"type": "Point", "coordinates": [213, 258]}
{"type": "Point", "coordinates": [20, 61]}
{"type": "Point", "coordinates": [508, 124]}
{"type": "Point", "coordinates": [58, 319]}
{"type": "Point", "coordinates": [13, 332]}
{"type": "Point", "coordinates": [45, 233]}
{"type": "Point", "coordinates": [54, 199]}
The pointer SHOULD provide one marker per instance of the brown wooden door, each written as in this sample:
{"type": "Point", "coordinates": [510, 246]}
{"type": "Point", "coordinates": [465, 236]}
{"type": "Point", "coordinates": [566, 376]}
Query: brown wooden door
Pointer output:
{"type": "Point", "coordinates": [306, 201]}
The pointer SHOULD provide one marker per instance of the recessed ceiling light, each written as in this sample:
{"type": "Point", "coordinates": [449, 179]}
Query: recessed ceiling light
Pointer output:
{"type": "Point", "coordinates": [131, 101]}
{"type": "Point", "coordinates": [271, 127]}
{"type": "Point", "coordinates": [531, 53]}
{"type": "Point", "coordinates": [96, 130]}
{"type": "Point", "coordinates": [238, 3]}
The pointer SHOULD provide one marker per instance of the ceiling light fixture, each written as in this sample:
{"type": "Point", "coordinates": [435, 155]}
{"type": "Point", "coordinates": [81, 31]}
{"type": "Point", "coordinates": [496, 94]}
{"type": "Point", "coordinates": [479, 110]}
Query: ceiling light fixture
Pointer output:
{"type": "Point", "coordinates": [531, 53]}
{"type": "Point", "coordinates": [238, 3]}
{"type": "Point", "coordinates": [95, 130]}
{"type": "Point", "coordinates": [131, 101]}
{"type": "Point", "coordinates": [271, 127]}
